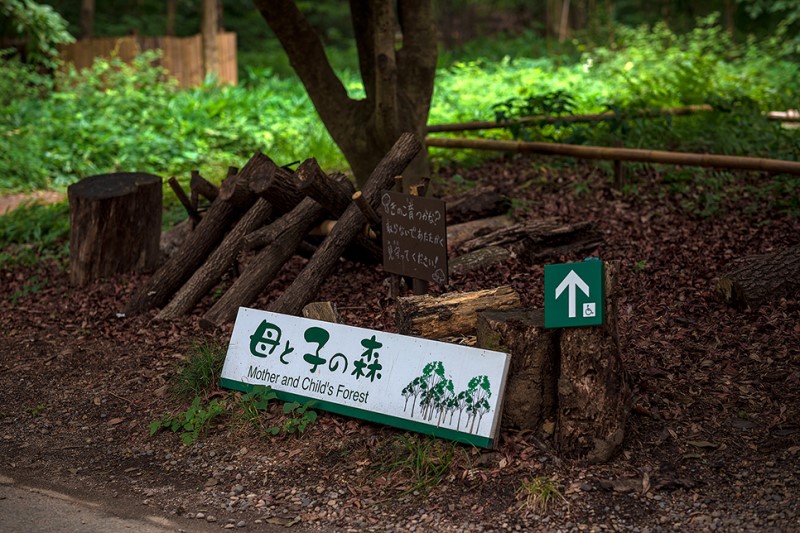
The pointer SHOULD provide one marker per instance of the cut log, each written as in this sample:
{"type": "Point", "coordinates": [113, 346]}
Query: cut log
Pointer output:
{"type": "Point", "coordinates": [201, 242]}
{"type": "Point", "coordinates": [115, 225]}
{"type": "Point", "coordinates": [458, 234]}
{"type": "Point", "coordinates": [332, 192]}
{"type": "Point", "coordinates": [760, 279]}
{"type": "Point", "coordinates": [324, 311]}
{"type": "Point", "coordinates": [451, 314]}
{"type": "Point", "coordinates": [308, 282]}
{"type": "Point", "coordinates": [593, 393]}
{"type": "Point", "coordinates": [531, 387]}
{"type": "Point", "coordinates": [278, 186]}
{"type": "Point", "coordinates": [479, 202]}
{"type": "Point", "coordinates": [483, 258]}
{"type": "Point", "coordinates": [262, 269]}
{"type": "Point", "coordinates": [540, 240]}
{"type": "Point", "coordinates": [202, 187]}
{"type": "Point", "coordinates": [223, 257]}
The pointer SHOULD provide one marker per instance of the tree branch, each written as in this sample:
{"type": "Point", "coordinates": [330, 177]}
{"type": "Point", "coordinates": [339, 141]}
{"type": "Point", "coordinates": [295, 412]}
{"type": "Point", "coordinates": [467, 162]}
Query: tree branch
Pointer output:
{"type": "Point", "coordinates": [307, 57]}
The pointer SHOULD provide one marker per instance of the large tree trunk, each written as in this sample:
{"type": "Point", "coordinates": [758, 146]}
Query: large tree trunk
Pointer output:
{"type": "Point", "coordinates": [759, 279]}
{"type": "Point", "coordinates": [210, 30]}
{"type": "Point", "coordinates": [115, 225]}
{"type": "Point", "coordinates": [398, 82]}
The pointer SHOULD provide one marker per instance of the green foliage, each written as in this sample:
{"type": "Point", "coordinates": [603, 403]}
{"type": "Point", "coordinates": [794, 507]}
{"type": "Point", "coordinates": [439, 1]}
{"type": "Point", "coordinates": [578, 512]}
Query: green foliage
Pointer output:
{"type": "Point", "coordinates": [199, 374]}
{"type": "Point", "coordinates": [129, 117]}
{"type": "Point", "coordinates": [42, 28]}
{"type": "Point", "coordinates": [32, 286]}
{"type": "Point", "coordinates": [298, 418]}
{"type": "Point", "coordinates": [33, 232]}
{"type": "Point", "coordinates": [255, 401]}
{"type": "Point", "coordinates": [190, 423]}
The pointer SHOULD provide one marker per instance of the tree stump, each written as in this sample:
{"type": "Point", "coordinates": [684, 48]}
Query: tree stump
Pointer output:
{"type": "Point", "coordinates": [530, 394]}
{"type": "Point", "coordinates": [593, 394]}
{"type": "Point", "coordinates": [115, 225]}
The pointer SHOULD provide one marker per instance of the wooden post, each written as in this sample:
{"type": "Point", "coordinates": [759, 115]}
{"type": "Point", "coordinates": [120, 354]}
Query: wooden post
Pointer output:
{"type": "Point", "coordinates": [115, 225]}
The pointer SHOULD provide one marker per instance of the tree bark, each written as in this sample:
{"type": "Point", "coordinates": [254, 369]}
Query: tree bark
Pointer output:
{"type": "Point", "coordinates": [398, 82]}
{"type": "Point", "coordinates": [593, 393]}
{"type": "Point", "coordinates": [531, 387]}
{"type": "Point", "coordinates": [307, 284]}
{"type": "Point", "coordinates": [261, 270]}
{"type": "Point", "coordinates": [451, 314]}
{"type": "Point", "coordinates": [194, 251]}
{"type": "Point", "coordinates": [115, 225]}
{"type": "Point", "coordinates": [224, 256]}
{"type": "Point", "coordinates": [760, 279]}
{"type": "Point", "coordinates": [171, 10]}
{"type": "Point", "coordinates": [332, 192]}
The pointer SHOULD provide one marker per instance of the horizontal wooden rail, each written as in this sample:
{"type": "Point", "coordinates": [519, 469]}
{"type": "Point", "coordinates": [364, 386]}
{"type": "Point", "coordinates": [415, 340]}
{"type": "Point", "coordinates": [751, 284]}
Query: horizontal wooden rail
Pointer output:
{"type": "Point", "coordinates": [622, 154]}
{"type": "Point", "coordinates": [783, 116]}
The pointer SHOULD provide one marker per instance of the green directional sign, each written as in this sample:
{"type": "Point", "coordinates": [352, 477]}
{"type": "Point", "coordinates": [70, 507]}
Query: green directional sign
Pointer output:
{"type": "Point", "coordinates": [573, 294]}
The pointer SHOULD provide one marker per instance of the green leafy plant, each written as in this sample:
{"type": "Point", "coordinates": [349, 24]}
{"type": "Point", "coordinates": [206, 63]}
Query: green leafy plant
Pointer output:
{"type": "Point", "coordinates": [41, 26]}
{"type": "Point", "coordinates": [255, 401]}
{"type": "Point", "coordinates": [298, 418]}
{"type": "Point", "coordinates": [537, 493]}
{"type": "Point", "coordinates": [191, 422]}
{"type": "Point", "coordinates": [33, 286]}
{"type": "Point", "coordinates": [200, 372]}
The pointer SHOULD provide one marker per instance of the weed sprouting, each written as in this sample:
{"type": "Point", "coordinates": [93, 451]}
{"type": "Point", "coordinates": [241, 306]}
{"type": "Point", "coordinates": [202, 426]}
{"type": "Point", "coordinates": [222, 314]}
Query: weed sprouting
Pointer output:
{"type": "Point", "coordinates": [537, 493]}
{"type": "Point", "coordinates": [425, 460]}
{"type": "Point", "coordinates": [200, 372]}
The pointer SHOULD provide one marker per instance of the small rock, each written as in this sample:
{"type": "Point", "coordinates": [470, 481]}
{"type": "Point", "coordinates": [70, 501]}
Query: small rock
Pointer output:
{"type": "Point", "coordinates": [241, 523]}
{"type": "Point", "coordinates": [211, 518]}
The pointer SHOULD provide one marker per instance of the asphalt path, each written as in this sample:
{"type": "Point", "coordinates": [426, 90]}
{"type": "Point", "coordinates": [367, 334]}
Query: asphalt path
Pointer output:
{"type": "Point", "coordinates": [27, 507]}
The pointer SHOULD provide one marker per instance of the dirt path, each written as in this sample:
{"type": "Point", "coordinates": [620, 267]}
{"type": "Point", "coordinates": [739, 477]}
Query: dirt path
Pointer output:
{"type": "Point", "coordinates": [12, 201]}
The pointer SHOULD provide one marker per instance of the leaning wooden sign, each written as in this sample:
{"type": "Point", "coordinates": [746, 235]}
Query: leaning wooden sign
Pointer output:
{"type": "Point", "coordinates": [431, 387]}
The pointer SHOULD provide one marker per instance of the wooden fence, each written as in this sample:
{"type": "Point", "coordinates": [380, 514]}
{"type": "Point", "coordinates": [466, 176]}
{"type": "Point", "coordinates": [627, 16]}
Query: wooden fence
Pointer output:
{"type": "Point", "coordinates": [183, 56]}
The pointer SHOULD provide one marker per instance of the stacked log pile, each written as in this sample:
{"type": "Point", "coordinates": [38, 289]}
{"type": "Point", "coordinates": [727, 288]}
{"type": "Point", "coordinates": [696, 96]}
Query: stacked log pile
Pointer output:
{"type": "Point", "coordinates": [269, 210]}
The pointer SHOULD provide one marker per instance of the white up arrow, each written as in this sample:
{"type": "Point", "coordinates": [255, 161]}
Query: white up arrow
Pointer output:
{"type": "Point", "coordinates": [571, 281]}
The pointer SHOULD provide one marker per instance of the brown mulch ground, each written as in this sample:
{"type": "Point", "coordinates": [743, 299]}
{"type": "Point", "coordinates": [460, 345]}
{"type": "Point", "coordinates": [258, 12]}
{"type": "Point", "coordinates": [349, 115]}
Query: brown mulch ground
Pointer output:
{"type": "Point", "coordinates": [713, 442]}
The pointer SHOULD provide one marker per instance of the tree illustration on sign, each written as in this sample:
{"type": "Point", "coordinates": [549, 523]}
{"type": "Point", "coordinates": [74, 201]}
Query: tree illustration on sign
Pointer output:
{"type": "Point", "coordinates": [437, 398]}
{"type": "Point", "coordinates": [478, 393]}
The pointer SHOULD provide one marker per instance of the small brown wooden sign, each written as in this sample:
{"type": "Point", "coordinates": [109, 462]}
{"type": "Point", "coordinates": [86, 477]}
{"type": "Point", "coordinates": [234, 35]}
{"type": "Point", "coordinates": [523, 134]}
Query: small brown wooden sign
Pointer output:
{"type": "Point", "coordinates": [414, 236]}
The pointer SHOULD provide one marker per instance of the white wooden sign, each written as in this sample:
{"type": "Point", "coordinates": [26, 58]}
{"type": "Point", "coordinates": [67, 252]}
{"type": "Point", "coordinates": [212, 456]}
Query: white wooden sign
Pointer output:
{"type": "Point", "coordinates": [431, 387]}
